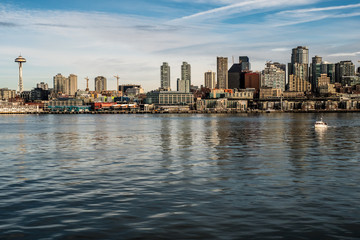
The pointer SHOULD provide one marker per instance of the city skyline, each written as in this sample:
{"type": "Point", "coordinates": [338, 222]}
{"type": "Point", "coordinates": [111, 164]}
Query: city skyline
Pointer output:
{"type": "Point", "coordinates": [91, 39]}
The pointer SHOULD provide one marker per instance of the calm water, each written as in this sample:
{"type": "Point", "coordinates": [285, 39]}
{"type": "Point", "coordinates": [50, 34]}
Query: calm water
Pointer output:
{"type": "Point", "coordinates": [179, 177]}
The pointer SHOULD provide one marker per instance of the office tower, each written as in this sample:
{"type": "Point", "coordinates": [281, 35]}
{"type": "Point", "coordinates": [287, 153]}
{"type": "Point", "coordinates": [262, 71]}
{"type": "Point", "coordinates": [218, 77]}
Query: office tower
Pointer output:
{"type": "Point", "coordinates": [344, 69]}
{"type": "Point", "coordinates": [244, 63]}
{"type": "Point", "coordinates": [328, 69]}
{"type": "Point", "coordinates": [316, 70]}
{"type": "Point", "coordinates": [234, 76]}
{"type": "Point", "coordinates": [222, 72]}
{"type": "Point", "coordinates": [209, 80]}
{"type": "Point", "coordinates": [100, 84]}
{"type": "Point", "coordinates": [186, 75]}
{"type": "Point", "coordinates": [299, 66]}
{"type": "Point", "coordinates": [20, 60]}
{"type": "Point", "coordinates": [273, 76]}
{"type": "Point", "coordinates": [72, 84]}
{"type": "Point", "coordinates": [165, 76]}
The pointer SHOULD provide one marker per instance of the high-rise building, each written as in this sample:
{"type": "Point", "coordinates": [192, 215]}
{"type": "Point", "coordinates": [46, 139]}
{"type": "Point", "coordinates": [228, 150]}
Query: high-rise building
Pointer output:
{"type": "Point", "coordinates": [60, 84]}
{"type": "Point", "coordinates": [182, 85]}
{"type": "Point", "coordinates": [209, 80]}
{"type": "Point", "coordinates": [100, 84]}
{"type": "Point", "coordinates": [65, 85]}
{"type": "Point", "coordinates": [222, 72]}
{"type": "Point", "coordinates": [316, 71]}
{"type": "Point", "coordinates": [72, 84]}
{"type": "Point", "coordinates": [273, 77]}
{"type": "Point", "coordinates": [186, 75]}
{"type": "Point", "coordinates": [328, 69]}
{"type": "Point", "coordinates": [165, 77]}
{"type": "Point", "coordinates": [344, 69]}
{"type": "Point", "coordinates": [299, 66]}
{"type": "Point", "coordinates": [244, 63]}
{"type": "Point", "coordinates": [234, 76]}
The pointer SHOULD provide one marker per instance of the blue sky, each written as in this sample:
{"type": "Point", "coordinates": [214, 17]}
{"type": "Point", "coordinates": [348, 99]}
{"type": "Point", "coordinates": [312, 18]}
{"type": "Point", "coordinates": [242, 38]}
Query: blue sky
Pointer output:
{"type": "Point", "coordinates": [132, 38]}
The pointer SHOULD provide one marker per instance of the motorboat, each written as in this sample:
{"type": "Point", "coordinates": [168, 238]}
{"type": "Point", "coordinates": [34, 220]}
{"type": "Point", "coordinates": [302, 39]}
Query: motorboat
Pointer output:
{"type": "Point", "coordinates": [321, 124]}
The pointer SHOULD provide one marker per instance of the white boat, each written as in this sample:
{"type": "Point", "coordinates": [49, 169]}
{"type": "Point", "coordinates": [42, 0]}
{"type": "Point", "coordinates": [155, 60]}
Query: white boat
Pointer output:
{"type": "Point", "coordinates": [320, 124]}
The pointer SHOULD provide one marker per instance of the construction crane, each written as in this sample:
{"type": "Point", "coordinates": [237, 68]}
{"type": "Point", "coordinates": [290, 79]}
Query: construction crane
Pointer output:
{"type": "Point", "coordinates": [87, 84]}
{"type": "Point", "coordinates": [117, 82]}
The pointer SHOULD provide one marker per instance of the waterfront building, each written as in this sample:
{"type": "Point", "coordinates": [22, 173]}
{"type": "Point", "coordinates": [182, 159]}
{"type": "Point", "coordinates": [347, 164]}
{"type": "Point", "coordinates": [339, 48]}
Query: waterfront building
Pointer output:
{"type": "Point", "coordinates": [209, 79]}
{"type": "Point", "coordinates": [100, 84]}
{"type": "Point", "coordinates": [165, 77]}
{"type": "Point", "coordinates": [222, 72]}
{"type": "Point", "coordinates": [186, 75]}
{"type": "Point", "coordinates": [344, 69]}
{"type": "Point", "coordinates": [269, 92]}
{"type": "Point", "coordinates": [273, 76]}
{"type": "Point", "coordinates": [6, 94]}
{"type": "Point", "coordinates": [316, 71]}
{"type": "Point", "coordinates": [234, 76]}
{"type": "Point", "coordinates": [296, 84]}
{"type": "Point", "coordinates": [169, 98]}
{"type": "Point", "coordinates": [299, 66]}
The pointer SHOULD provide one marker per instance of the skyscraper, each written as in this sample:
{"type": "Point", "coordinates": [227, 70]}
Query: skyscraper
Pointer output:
{"type": "Point", "coordinates": [344, 69]}
{"type": "Point", "coordinates": [299, 66]}
{"type": "Point", "coordinates": [100, 84]}
{"type": "Point", "coordinates": [60, 84]}
{"type": "Point", "coordinates": [234, 76]}
{"type": "Point", "coordinates": [165, 76]}
{"type": "Point", "coordinates": [65, 85]}
{"type": "Point", "coordinates": [328, 69]}
{"type": "Point", "coordinates": [209, 80]}
{"type": "Point", "coordinates": [244, 63]}
{"type": "Point", "coordinates": [316, 71]}
{"type": "Point", "coordinates": [72, 84]}
{"type": "Point", "coordinates": [186, 75]}
{"type": "Point", "coordinates": [222, 72]}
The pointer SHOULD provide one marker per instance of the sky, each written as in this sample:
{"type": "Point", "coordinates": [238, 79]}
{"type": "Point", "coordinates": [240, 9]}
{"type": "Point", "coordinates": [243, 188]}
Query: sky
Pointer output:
{"type": "Point", "coordinates": [132, 38]}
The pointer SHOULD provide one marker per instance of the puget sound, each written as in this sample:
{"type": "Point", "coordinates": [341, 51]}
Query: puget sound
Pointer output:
{"type": "Point", "coordinates": [179, 176]}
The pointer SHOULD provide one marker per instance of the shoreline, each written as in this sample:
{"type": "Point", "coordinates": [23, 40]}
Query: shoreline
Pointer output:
{"type": "Point", "coordinates": [185, 112]}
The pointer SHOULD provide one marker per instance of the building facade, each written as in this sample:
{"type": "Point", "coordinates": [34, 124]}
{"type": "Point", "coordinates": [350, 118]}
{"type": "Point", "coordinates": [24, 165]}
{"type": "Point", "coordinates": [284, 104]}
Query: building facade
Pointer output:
{"type": "Point", "coordinates": [100, 84]}
{"type": "Point", "coordinates": [65, 85]}
{"type": "Point", "coordinates": [299, 66]}
{"type": "Point", "coordinates": [296, 84]}
{"type": "Point", "coordinates": [165, 77]}
{"type": "Point", "coordinates": [209, 80]}
{"type": "Point", "coordinates": [222, 72]}
{"type": "Point", "coordinates": [273, 77]}
{"type": "Point", "coordinates": [169, 98]}
{"type": "Point", "coordinates": [244, 63]}
{"type": "Point", "coordinates": [316, 71]}
{"type": "Point", "coordinates": [344, 69]}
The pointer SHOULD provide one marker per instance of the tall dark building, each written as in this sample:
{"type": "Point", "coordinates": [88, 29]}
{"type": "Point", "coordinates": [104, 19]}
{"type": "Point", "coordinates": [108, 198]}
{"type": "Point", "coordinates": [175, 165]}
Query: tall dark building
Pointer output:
{"type": "Point", "coordinates": [244, 63]}
{"type": "Point", "coordinates": [316, 71]}
{"type": "Point", "coordinates": [344, 69]}
{"type": "Point", "coordinates": [234, 75]}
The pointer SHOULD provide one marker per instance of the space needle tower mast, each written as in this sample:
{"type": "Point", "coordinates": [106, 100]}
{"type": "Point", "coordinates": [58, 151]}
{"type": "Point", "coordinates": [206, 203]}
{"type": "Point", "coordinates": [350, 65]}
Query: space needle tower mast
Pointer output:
{"type": "Point", "coordinates": [20, 60]}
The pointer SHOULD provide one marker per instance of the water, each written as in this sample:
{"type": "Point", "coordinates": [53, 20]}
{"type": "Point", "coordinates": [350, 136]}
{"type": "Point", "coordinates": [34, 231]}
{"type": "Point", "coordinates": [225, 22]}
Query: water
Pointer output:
{"type": "Point", "coordinates": [179, 177]}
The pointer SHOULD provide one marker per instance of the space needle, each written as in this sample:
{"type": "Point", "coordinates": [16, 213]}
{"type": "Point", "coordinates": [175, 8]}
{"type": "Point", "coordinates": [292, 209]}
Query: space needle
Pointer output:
{"type": "Point", "coordinates": [20, 60]}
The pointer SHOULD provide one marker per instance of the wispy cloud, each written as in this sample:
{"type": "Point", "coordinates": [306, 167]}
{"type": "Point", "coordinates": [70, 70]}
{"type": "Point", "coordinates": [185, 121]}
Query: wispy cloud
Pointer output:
{"type": "Point", "coordinates": [244, 6]}
{"type": "Point", "coordinates": [352, 54]}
